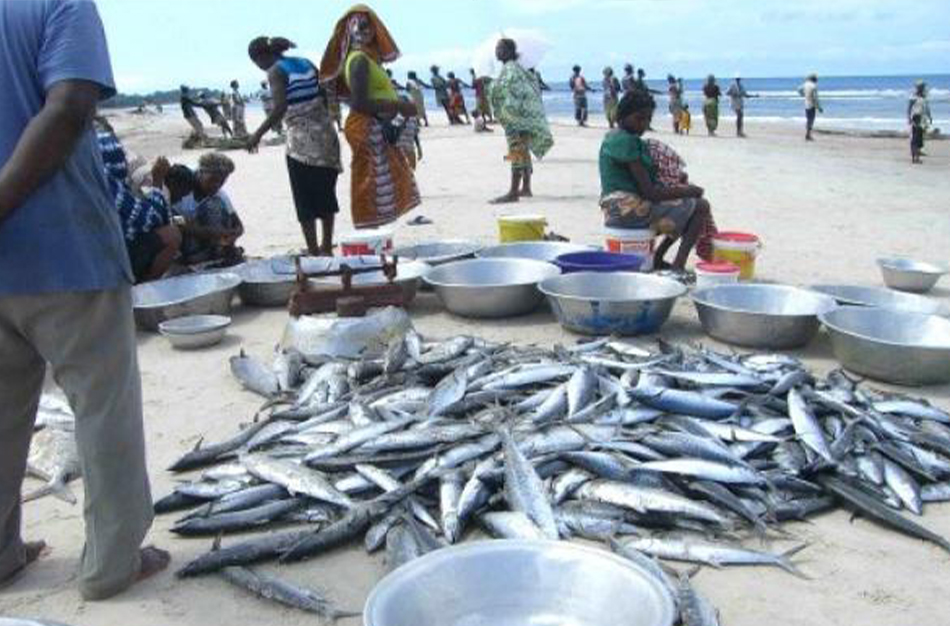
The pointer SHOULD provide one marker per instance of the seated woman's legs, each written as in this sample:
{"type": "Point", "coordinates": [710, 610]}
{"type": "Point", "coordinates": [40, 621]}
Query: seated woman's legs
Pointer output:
{"type": "Point", "coordinates": [694, 228]}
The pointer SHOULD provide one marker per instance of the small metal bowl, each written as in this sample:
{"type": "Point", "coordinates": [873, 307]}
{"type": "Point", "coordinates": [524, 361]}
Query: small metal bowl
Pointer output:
{"type": "Point", "coordinates": [909, 275]}
{"type": "Point", "coordinates": [508, 582]}
{"type": "Point", "coordinates": [196, 294]}
{"type": "Point", "coordinates": [893, 346]}
{"type": "Point", "coordinates": [881, 298]}
{"type": "Point", "coordinates": [533, 250]}
{"type": "Point", "coordinates": [490, 288]}
{"type": "Point", "coordinates": [195, 331]}
{"type": "Point", "coordinates": [595, 303]}
{"type": "Point", "coordinates": [438, 252]}
{"type": "Point", "coordinates": [761, 316]}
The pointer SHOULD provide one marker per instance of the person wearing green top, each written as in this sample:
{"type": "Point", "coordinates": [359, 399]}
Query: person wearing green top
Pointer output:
{"type": "Point", "coordinates": [630, 194]}
{"type": "Point", "coordinates": [516, 100]}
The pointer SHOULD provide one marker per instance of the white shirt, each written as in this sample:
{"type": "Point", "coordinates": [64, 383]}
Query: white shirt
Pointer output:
{"type": "Point", "coordinates": [810, 91]}
{"type": "Point", "coordinates": [187, 207]}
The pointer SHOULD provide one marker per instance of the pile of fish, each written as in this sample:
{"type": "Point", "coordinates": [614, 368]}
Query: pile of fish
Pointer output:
{"type": "Point", "coordinates": [675, 453]}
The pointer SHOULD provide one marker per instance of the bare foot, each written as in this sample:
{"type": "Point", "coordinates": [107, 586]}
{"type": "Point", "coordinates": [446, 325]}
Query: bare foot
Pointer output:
{"type": "Point", "coordinates": [505, 199]}
{"type": "Point", "coordinates": [32, 550]}
{"type": "Point", "coordinates": [526, 193]}
{"type": "Point", "coordinates": [153, 561]}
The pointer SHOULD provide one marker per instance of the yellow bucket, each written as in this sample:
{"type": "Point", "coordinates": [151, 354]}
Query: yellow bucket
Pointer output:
{"type": "Point", "coordinates": [521, 228]}
{"type": "Point", "coordinates": [739, 249]}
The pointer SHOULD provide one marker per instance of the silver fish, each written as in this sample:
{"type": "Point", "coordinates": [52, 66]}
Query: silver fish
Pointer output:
{"type": "Point", "coordinates": [524, 490]}
{"type": "Point", "coordinates": [254, 375]}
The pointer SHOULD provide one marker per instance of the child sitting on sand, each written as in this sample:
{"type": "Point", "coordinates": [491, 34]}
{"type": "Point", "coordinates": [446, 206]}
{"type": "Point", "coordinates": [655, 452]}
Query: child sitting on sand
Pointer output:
{"type": "Point", "coordinates": [481, 126]}
{"type": "Point", "coordinates": [916, 138]}
{"type": "Point", "coordinates": [686, 120]}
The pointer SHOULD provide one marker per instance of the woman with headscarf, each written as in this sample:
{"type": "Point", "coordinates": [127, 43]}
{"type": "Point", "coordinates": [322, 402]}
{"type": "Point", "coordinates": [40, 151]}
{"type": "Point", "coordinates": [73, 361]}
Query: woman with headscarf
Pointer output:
{"type": "Point", "coordinates": [313, 149]}
{"type": "Point", "coordinates": [383, 187]}
{"type": "Point", "coordinates": [516, 99]}
{"type": "Point", "coordinates": [712, 92]}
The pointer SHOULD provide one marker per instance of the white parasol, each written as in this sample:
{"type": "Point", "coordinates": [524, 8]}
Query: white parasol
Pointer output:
{"type": "Point", "coordinates": [532, 46]}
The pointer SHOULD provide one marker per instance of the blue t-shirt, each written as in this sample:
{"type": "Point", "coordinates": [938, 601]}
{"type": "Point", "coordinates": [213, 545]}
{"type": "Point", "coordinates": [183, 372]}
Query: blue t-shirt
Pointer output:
{"type": "Point", "coordinates": [66, 236]}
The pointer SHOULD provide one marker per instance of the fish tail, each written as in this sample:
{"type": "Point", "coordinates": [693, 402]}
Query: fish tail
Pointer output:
{"type": "Point", "coordinates": [783, 560]}
{"type": "Point", "coordinates": [57, 489]}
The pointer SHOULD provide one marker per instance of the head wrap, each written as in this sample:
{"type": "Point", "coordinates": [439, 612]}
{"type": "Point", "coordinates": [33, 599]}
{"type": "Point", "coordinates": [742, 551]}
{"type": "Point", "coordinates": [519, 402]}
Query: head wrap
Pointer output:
{"type": "Point", "coordinates": [383, 49]}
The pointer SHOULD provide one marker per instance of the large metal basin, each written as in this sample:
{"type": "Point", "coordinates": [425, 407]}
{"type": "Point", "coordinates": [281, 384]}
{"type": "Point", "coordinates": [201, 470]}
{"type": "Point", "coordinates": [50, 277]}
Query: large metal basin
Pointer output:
{"type": "Point", "coordinates": [534, 250]}
{"type": "Point", "coordinates": [594, 303]}
{"type": "Point", "coordinates": [894, 346]}
{"type": "Point", "coordinates": [198, 294]}
{"type": "Point", "coordinates": [438, 252]}
{"type": "Point", "coordinates": [881, 297]}
{"type": "Point", "coordinates": [910, 275]}
{"type": "Point", "coordinates": [490, 287]}
{"type": "Point", "coordinates": [519, 583]}
{"type": "Point", "coordinates": [262, 286]}
{"type": "Point", "coordinates": [761, 316]}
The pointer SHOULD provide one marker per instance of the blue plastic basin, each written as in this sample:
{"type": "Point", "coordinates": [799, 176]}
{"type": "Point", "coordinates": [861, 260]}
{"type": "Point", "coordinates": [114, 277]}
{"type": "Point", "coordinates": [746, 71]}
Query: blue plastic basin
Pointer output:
{"type": "Point", "coordinates": [599, 261]}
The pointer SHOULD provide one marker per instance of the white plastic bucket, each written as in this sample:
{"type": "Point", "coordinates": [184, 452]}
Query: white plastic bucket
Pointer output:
{"type": "Point", "coordinates": [631, 241]}
{"type": "Point", "coordinates": [366, 242]}
{"type": "Point", "coordinates": [710, 274]}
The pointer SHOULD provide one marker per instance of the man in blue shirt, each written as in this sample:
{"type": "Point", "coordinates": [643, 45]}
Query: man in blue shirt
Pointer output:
{"type": "Point", "coordinates": [65, 295]}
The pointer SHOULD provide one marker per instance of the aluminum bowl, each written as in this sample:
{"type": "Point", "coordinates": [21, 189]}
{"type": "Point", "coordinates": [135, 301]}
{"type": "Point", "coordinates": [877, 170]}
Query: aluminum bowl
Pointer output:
{"type": "Point", "coordinates": [409, 275]}
{"type": "Point", "coordinates": [508, 582]}
{"type": "Point", "coordinates": [491, 287]}
{"type": "Point", "coordinates": [195, 331]}
{"type": "Point", "coordinates": [894, 346]}
{"type": "Point", "coordinates": [533, 250]}
{"type": "Point", "coordinates": [910, 275]}
{"type": "Point", "coordinates": [595, 303]}
{"type": "Point", "coordinates": [262, 286]}
{"type": "Point", "coordinates": [198, 294]}
{"type": "Point", "coordinates": [761, 316]}
{"type": "Point", "coordinates": [881, 298]}
{"type": "Point", "coordinates": [438, 252]}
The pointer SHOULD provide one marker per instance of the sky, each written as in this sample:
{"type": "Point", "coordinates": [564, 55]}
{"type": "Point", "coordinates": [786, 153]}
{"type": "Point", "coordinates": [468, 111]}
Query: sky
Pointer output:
{"type": "Point", "coordinates": [160, 44]}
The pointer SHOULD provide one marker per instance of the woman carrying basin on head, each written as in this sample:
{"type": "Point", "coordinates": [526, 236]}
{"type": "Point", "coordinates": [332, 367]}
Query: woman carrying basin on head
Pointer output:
{"type": "Point", "coordinates": [382, 184]}
{"type": "Point", "coordinates": [631, 195]}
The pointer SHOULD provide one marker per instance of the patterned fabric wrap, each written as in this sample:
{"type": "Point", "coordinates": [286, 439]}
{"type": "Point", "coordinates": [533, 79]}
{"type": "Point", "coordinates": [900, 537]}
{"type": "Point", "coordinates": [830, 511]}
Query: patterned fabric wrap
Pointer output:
{"type": "Point", "coordinates": [383, 187]}
{"type": "Point", "coordinates": [516, 101]}
{"type": "Point", "coordinates": [138, 215]}
{"type": "Point", "coordinates": [519, 155]}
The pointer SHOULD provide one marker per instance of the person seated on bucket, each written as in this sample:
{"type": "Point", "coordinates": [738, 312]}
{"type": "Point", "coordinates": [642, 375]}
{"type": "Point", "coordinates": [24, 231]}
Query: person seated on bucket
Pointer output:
{"type": "Point", "coordinates": [631, 197]}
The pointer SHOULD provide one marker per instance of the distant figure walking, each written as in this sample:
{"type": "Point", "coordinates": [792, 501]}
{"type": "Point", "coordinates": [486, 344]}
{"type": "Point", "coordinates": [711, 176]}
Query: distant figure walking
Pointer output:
{"type": "Point", "coordinates": [481, 85]}
{"type": "Point", "coordinates": [456, 98]}
{"type": "Point", "coordinates": [737, 95]}
{"type": "Point", "coordinates": [612, 89]}
{"type": "Point", "coordinates": [441, 88]}
{"type": "Point", "coordinates": [675, 92]}
{"type": "Point", "coordinates": [629, 82]}
{"type": "Point", "coordinates": [579, 88]}
{"type": "Point", "coordinates": [188, 105]}
{"type": "Point", "coordinates": [516, 100]}
{"type": "Point", "coordinates": [920, 105]}
{"type": "Point", "coordinates": [414, 87]}
{"type": "Point", "coordinates": [712, 93]}
{"type": "Point", "coordinates": [809, 90]}
{"type": "Point", "coordinates": [237, 111]}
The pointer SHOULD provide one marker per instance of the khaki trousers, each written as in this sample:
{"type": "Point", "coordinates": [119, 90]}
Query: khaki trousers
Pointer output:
{"type": "Point", "coordinates": [88, 338]}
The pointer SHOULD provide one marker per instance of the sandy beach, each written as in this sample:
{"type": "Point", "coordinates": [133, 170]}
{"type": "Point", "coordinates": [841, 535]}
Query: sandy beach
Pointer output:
{"type": "Point", "coordinates": [824, 210]}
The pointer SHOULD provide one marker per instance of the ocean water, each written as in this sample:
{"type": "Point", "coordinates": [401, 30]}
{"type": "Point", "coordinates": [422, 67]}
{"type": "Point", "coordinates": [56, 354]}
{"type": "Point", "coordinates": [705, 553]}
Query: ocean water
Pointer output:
{"type": "Point", "coordinates": [862, 103]}
{"type": "Point", "coordinates": [849, 102]}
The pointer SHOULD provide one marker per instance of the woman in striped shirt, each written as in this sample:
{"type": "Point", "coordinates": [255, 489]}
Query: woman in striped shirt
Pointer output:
{"type": "Point", "coordinates": [313, 149]}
